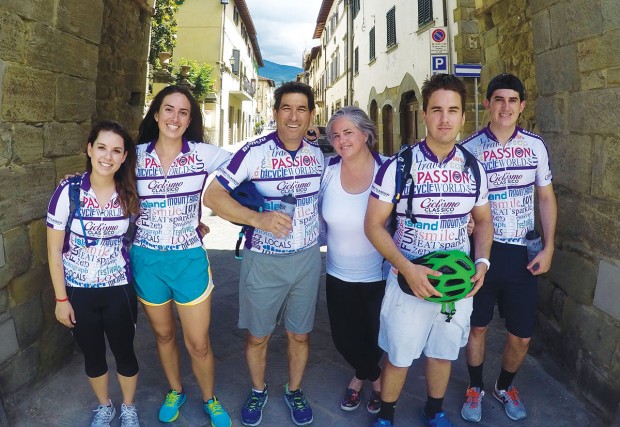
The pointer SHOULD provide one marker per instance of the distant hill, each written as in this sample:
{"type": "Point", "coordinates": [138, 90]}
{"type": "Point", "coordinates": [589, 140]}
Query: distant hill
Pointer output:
{"type": "Point", "coordinates": [279, 73]}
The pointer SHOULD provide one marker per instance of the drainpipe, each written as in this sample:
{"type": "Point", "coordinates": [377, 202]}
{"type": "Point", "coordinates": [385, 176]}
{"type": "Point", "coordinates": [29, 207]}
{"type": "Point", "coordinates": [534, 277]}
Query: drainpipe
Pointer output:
{"type": "Point", "coordinates": [222, 68]}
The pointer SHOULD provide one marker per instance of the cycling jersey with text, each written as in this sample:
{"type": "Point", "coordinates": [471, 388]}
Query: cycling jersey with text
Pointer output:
{"type": "Point", "coordinates": [170, 203]}
{"type": "Point", "coordinates": [93, 255]}
{"type": "Point", "coordinates": [444, 193]}
{"type": "Point", "coordinates": [276, 173]}
{"type": "Point", "coordinates": [513, 170]}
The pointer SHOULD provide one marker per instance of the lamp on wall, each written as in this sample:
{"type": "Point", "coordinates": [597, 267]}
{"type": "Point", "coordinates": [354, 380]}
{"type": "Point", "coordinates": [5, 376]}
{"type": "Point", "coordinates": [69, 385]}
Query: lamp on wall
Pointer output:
{"type": "Point", "coordinates": [232, 61]}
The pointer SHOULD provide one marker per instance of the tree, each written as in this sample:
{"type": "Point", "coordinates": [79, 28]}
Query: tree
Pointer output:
{"type": "Point", "coordinates": [199, 74]}
{"type": "Point", "coordinates": [163, 29]}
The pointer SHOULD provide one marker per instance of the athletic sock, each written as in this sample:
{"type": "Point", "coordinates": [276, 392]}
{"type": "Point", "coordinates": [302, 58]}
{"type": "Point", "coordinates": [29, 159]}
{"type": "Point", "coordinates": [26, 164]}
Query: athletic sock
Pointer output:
{"type": "Point", "coordinates": [387, 410]}
{"type": "Point", "coordinates": [432, 407]}
{"type": "Point", "coordinates": [505, 379]}
{"type": "Point", "coordinates": [475, 376]}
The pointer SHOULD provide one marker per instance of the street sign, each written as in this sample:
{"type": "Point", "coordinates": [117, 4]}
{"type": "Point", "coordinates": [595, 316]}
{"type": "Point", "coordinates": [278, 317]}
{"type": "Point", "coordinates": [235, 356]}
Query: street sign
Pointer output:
{"type": "Point", "coordinates": [439, 64]}
{"type": "Point", "coordinates": [467, 70]}
{"type": "Point", "coordinates": [439, 40]}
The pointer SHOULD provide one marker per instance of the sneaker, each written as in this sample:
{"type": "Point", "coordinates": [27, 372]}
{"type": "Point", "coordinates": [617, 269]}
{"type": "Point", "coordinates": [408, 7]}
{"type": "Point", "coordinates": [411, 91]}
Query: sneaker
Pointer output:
{"type": "Point", "coordinates": [103, 415]}
{"type": "Point", "coordinates": [374, 402]}
{"type": "Point", "coordinates": [129, 416]}
{"type": "Point", "coordinates": [219, 416]}
{"type": "Point", "coordinates": [169, 411]}
{"type": "Point", "coordinates": [351, 400]}
{"type": "Point", "coordinates": [440, 420]}
{"type": "Point", "coordinates": [380, 422]}
{"type": "Point", "coordinates": [301, 412]}
{"type": "Point", "coordinates": [472, 408]}
{"type": "Point", "coordinates": [512, 405]}
{"type": "Point", "coordinates": [252, 411]}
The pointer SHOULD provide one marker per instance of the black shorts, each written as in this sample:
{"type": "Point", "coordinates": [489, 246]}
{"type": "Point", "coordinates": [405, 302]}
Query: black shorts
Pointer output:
{"type": "Point", "coordinates": [513, 287]}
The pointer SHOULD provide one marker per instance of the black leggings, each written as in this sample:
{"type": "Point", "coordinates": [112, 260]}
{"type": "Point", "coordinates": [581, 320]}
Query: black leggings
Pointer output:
{"type": "Point", "coordinates": [111, 311]}
{"type": "Point", "coordinates": [354, 310]}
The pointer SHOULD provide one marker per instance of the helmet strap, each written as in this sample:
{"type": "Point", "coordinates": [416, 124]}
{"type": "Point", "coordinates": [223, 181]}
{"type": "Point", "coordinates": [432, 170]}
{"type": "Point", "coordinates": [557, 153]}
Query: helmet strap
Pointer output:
{"type": "Point", "coordinates": [448, 309]}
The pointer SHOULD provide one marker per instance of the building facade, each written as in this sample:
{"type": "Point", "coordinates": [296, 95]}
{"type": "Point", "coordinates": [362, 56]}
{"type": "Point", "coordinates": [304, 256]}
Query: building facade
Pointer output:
{"type": "Point", "coordinates": [376, 55]}
{"type": "Point", "coordinates": [221, 33]}
{"type": "Point", "coordinates": [63, 66]}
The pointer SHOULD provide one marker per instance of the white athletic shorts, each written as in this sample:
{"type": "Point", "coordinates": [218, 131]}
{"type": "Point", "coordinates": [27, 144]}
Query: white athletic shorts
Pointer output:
{"type": "Point", "coordinates": [410, 326]}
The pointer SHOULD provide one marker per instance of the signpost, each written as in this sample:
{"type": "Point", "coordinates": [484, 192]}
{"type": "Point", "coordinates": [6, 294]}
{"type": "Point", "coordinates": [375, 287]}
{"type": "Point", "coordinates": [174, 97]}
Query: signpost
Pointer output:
{"type": "Point", "coordinates": [439, 40]}
{"type": "Point", "coordinates": [470, 70]}
{"type": "Point", "coordinates": [439, 64]}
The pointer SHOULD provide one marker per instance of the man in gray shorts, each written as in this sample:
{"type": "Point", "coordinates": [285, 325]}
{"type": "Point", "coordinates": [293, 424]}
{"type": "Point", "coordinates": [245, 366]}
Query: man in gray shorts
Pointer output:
{"type": "Point", "coordinates": [281, 266]}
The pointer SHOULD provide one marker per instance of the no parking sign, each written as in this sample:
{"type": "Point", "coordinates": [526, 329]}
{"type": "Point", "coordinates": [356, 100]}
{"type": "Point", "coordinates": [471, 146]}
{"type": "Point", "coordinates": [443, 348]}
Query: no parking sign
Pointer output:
{"type": "Point", "coordinates": [439, 40]}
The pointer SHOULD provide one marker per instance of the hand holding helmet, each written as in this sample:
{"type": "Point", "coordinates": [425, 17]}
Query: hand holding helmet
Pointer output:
{"type": "Point", "coordinates": [454, 283]}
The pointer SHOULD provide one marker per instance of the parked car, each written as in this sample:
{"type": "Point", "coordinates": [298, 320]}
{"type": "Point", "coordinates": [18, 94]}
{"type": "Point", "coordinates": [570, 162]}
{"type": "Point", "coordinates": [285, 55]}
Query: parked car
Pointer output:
{"type": "Point", "coordinates": [324, 144]}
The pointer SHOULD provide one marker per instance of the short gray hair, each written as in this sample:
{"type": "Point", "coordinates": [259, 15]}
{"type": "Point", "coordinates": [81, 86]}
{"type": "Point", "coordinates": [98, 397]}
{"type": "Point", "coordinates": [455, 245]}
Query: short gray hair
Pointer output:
{"type": "Point", "coordinates": [361, 121]}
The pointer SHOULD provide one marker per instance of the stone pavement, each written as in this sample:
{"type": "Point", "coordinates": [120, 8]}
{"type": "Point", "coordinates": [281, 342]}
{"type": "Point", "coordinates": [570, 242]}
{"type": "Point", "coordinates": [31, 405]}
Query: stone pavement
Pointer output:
{"type": "Point", "coordinates": [66, 399]}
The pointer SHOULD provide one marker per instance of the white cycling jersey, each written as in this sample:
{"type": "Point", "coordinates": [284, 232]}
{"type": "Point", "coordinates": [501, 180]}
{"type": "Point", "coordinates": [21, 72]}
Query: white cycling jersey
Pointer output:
{"type": "Point", "coordinates": [512, 170]}
{"type": "Point", "coordinates": [93, 255]}
{"type": "Point", "coordinates": [170, 203]}
{"type": "Point", "coordinates": [276, 173]}
{"type": "Point", "coordinates": [444, 193]}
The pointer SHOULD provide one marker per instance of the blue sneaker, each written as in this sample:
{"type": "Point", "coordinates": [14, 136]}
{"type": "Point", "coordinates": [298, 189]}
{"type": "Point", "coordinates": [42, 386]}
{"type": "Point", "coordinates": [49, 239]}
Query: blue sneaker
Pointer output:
{"type": "Point", "coordinates": [301, 412]}
{"type": "Point", "coordinates": [472, 408]}
{"type": "Point", "coordinates": [512, 404]}
{"type": "Point", "coordinates": [103, 415]}
{"type": "Point", "coordinates": [169, 411]}
{"type": "Point", "coordinates": [440, 420]}
{"type": "Point", "coordinates": [380, 422]}
{"type": "Point", "coordinates": [252, 411]}
{"type": "Point", "coordinates": [219, 416]}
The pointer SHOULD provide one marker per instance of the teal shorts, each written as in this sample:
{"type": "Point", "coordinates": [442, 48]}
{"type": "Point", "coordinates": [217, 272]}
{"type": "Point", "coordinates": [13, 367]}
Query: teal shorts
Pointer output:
{"type": "Point", "coordinates": [161, 276]}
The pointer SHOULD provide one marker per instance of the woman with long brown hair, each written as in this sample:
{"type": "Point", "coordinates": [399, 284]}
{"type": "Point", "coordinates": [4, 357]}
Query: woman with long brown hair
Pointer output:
{"type": "Point", "coordinates": [87, 219]}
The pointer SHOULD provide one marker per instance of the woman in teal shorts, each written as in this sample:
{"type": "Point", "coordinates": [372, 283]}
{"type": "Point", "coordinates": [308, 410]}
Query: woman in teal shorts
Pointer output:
{"type": "Point", "coordinates": [168, 260]}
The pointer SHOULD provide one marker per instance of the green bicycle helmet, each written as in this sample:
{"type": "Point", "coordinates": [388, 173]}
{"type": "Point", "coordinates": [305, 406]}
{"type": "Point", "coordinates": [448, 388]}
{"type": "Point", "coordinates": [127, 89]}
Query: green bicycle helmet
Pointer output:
{"type": "Point", "coordinates": [455, 282]}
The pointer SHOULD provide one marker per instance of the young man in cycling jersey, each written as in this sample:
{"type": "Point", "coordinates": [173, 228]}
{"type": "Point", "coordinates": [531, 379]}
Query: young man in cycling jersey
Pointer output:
{"type": "Point", "coordinates": [444, 195]}
{"type": "Point", "coordinates": [517, 167]}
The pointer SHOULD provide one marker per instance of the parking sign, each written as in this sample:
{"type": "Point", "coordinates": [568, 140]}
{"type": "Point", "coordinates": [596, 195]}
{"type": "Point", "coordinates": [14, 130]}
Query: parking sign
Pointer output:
{"type": "Point", "coordinates": [439, 64]}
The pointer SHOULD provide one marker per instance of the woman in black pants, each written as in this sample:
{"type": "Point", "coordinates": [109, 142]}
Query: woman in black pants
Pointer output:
{"type": "Point", "coordinates": [87, 218]}
{"type": "Point", "coordinates": [355, 284]}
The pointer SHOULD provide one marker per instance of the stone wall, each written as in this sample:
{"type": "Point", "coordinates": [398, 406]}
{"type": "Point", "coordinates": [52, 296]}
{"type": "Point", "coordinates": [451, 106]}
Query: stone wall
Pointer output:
{"type": "Point", "coordinates": [568, 53]}
{"type": "Point", "coordinates": [63, 64]}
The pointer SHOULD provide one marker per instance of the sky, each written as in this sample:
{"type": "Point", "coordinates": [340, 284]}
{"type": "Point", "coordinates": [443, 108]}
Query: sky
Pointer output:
{"type": "Point", "coordinates": [284, 28]}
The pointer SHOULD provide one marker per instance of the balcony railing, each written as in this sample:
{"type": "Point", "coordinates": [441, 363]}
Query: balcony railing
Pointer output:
{"type": "Point", "coordinates": [247, 86]}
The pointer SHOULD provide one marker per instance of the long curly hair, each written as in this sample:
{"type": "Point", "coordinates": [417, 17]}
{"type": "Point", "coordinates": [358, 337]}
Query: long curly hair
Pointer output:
{"type": "Point", "coordinates": [125, 176]}
{"type": "Point", "coordinates": [149, 131]}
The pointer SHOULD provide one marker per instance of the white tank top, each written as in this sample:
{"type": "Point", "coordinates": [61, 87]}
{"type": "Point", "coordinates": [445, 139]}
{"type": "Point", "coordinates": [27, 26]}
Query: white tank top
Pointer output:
{"type": "Point", "coordinates": [350, 255]}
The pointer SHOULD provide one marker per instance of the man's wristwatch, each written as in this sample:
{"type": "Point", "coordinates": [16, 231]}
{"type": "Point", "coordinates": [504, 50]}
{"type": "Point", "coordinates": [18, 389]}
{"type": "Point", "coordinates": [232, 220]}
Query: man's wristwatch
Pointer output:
{"type": "Point", "coordinates": [484, 261]}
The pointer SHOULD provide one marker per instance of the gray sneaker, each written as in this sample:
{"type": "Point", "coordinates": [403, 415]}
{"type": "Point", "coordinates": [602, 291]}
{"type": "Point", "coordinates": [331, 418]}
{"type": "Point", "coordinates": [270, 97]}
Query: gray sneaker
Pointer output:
{"type": "Point", "coordinates": [129, 416]}
{"type": "Point", "coordinates": [103, 416]}
{"type": "Point", "coordinates": [472, 408]}
{"type": "Point", "coordinates": [512, 404]}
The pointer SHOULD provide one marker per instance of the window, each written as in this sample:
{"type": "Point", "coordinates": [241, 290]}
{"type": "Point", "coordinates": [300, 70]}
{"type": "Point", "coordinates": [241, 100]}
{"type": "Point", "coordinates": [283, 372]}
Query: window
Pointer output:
{"type": "Point", "coordinates": [356, 60]}
{"type": "Point", "coordinates": [355, 4]}
{"type": "Point", "coordinates": [391, 27]}
{"type": "Point", "coordinates": [236, 15]}
{"type": "Point", "coordinates": [425, 12]}
{"type": "Point", "coordinates": [371, 43]}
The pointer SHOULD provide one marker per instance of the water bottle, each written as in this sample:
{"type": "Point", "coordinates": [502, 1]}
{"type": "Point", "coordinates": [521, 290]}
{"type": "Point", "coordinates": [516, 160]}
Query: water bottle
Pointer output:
{"type": "Point", "coordinates": [534, 245]}
{"type": "Point", "coordinates": [288, 204]}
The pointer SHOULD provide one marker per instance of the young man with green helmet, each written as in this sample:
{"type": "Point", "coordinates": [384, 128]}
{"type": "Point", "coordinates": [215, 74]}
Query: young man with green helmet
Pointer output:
{"type": "Point", "coordinates": [444, 193]}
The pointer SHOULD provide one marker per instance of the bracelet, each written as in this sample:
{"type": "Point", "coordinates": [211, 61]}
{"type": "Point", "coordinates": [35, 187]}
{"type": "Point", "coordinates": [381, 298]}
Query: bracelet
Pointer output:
{"type": "Point", "coordinates": [484, 261]}
{"type": "Point", "coordinates": [62, 300]}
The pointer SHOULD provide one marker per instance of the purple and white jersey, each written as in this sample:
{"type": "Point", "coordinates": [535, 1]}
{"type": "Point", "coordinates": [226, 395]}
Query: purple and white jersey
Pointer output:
{"type": "Point", "coordinates": [105, 262]}
{"type": "Point", "coordinates": [170, 204]}
{"type": "Point", "coordinates": [276, 173]}
{"type": "Point", "coordinates": [443, 196]}
{"type": "Point", "coordinates": [512, 171]}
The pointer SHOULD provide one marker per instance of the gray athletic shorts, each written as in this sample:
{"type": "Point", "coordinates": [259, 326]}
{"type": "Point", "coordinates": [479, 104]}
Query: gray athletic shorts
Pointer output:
{"type": "Point", "coordinates": [275, 287]}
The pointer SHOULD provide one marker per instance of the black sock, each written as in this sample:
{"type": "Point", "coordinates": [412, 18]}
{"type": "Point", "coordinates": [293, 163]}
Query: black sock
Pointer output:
{"type": "Point", "coordinates": [433, 406]}
{"type": "Point", "coordinates": [475, 376]}
{"type": "Point", "coordinates": [387, 410]}
{"type": "Point", "coordinates": [505, 379]}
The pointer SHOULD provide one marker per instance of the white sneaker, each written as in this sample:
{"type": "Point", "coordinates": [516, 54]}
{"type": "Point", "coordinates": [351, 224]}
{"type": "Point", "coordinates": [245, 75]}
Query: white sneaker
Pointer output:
{"type": "Point", "coordinates": [129, 416]}
{"type": "Point", "coordinates": [103, 415]}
